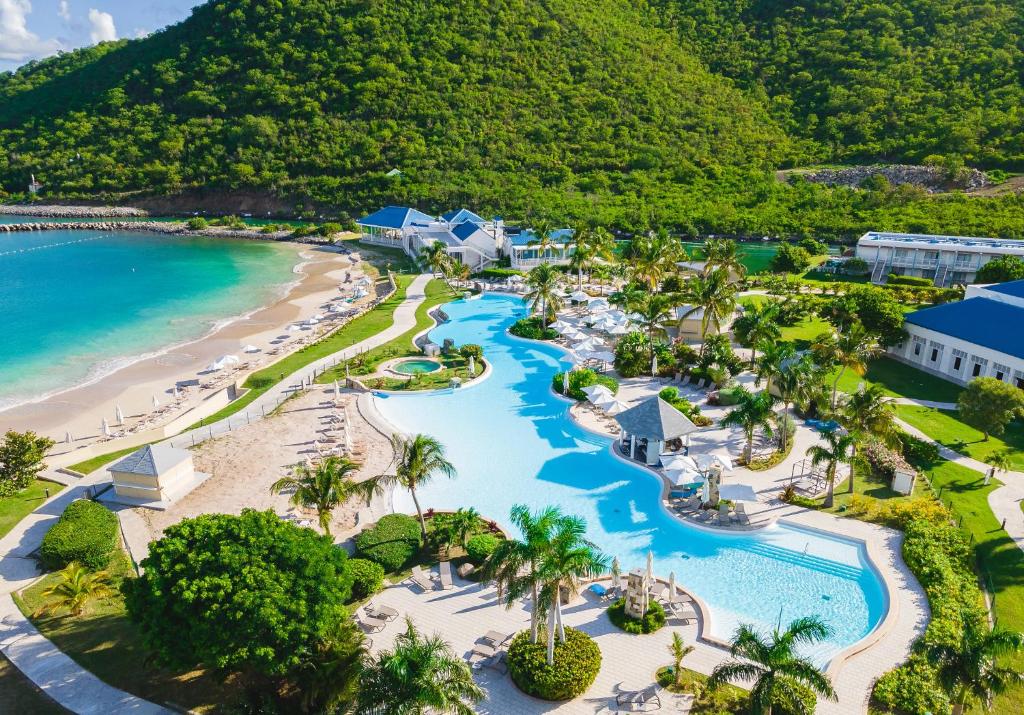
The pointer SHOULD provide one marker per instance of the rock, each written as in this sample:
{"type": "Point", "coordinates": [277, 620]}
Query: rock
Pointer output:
{"type": "Point", "coordinates": [930, 178]}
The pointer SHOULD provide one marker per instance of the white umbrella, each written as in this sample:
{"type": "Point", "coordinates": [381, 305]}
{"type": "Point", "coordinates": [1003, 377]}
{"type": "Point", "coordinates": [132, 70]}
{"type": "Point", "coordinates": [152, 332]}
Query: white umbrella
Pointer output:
{"type": "Point", "coordinates": [597, 392]}
{"type": "Point", "coordinates": [678, 461]}
{"type": "Point", "coordinates": [610, 405]}
{"type": "Point", "coordinates": [562, 327]}
{"type": "Point", "coordinates": [587, 346]}
{"type": "Point", "coordinates": [67, 438]}
{"type": "Point", "coordinates": [177, 392]}
{"type": "Point", "coordinates": [156, 402]}
{"type": "Point", "coordinates": [601, 356]}
{"type": "Point", "coordinates": [619, 329]}
{"type": "Point", "coordinates": [516, 279]}
{"type": "Point", "coordinates": [250, 349]}
{"type": "Point", "coordinates": [672, 587]}
{"type": "Point", "coordinates": [575, 334]}
{"type": "Point", "coordinates": [318, 316]}
{"type": "Point", "coordinates": [119, 413]}
{"type": "Point", "coordinates": [214, 366]}
{"type": "Point", "coordinates": [472, 365]}
{"type": "Point", "coordinates": [679, 477]}
{"type": "Point", "coordinates": [228, 360]}
{"type": "Point", "coordinates": [337, 389]}
{"type": "Point", "coordinates": [294, 327]}
{"type": "Point", "coordinates": [312, 321]}
{"type": "Point", "coordinates": [616, 573]}
{"type": "Point", "coordinates": [360, 293]}
{"type": "Point", "coordinates": [650, 567]}
{"type": "Point", "coordinates": [579, 297]}
{"type": "Point", "coordinates": [707, 461]}
{"type": "Point", "coordinates": [598, 304]}
{"type": "Point", "coordinates": [106, 428]}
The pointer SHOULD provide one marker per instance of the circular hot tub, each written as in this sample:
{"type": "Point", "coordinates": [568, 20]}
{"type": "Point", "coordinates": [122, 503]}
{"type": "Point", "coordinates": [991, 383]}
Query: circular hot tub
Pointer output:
{"type": "Point", "coordinates": [415, 366]}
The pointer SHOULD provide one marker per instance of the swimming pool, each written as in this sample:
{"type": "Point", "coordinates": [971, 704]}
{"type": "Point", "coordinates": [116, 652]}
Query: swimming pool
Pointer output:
{"type": "Point", "coordinates": [513, 442]}
{"type": "Point", "coordinates": [416, 366]}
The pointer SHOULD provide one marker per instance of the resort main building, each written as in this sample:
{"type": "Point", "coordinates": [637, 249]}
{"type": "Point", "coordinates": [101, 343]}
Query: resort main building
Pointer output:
{"type": "Point", "coordinates": [947, 260]}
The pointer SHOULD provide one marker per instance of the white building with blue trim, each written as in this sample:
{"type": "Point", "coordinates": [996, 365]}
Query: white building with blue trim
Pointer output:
{"type": "Point", "coordinates": [524, 250]}
{"type": "Point", "coordinates": [468, 238]}
{"type": "Point", "coordinates": [947, 260]}
{"type": "Point", "coordinates": [979, 336]}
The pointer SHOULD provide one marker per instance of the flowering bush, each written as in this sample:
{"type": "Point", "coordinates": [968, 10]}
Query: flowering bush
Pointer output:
{"type": "Point", "coordinates": [884, 460]}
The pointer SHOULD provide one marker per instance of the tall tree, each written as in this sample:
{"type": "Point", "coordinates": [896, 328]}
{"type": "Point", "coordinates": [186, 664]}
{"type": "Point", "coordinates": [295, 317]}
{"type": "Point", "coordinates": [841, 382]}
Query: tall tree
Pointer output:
{"type": "Point", "coordinates": [679, 650]}
{"type": "Point", "coordinates": [325, 487]}
{"type": "Point", "coordinates": [850, 350]}
{"type": "Point", "coordinates": [653, 256]}
{"type": "Point", "coordinates": [835, 451]}
{"type": "Point", "coordinates": [544, 281]}
{"type": "Point", "coordinates": [651, 312]}
{"type": "Point", "coordinates": [968, 665]}
{"type": "Point", "coordinates": [775, 356]}
{"type": "Point", "coordinates": [796, 383]}
{"type": "Point", "coordinates": [752, 412]}
{"type": "Point", "coordinates": [758, 323]}
{"type": "Point", "coordinates": [715, 295]}
{"type": "Point", "coordinates": [22, 456]}
{"type": "Point", "coordinates": [420, 674]}
{"type": "Point", "coordinates": [328, 679]}
{"type": "Point", "coordinates": [725, 254]}
{"type": "Point", "coordinates": [542, 239]}
{"type": "Point", "coordinates": [435, 257]}
{"type": "Point", "coordinates": [989, 405]}
{"type": "Point", "coordinates": [417, 460]}
{"type": "Point", "coordinates": [780, 676]}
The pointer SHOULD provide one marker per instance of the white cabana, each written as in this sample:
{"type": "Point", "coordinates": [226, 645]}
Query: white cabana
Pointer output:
{"type": "Point", "coordinates": [250, 349]}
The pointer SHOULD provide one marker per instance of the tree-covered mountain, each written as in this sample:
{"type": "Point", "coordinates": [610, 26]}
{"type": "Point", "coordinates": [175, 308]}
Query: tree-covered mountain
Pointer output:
{"type": "Point", "coordinates": [625, 112]}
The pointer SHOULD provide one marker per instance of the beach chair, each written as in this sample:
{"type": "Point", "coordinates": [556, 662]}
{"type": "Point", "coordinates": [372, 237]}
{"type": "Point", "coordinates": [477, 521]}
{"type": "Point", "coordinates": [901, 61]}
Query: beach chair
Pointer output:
{"type": "Point", "coordinates": [384, 613]}
{"type": "Point", "coordinates": [741, 513]}
{"type": "Point", "coordinates": [445, 569]}
{"type": "Point", "coordinates": [493, 662]}
{"type": "Point", "coordinates": [602, 593]}
{"type": "Point", "coordinates": [370, 624]}
{"type": "Point", "coordinates": [682, 611]}
{"type": "Point", "coordinates": [495, 638]}
{"type": "Point", "coordinates": [421, 579]}
{"type": "Point", "coordinates": [724, 518]}
{"type": "Point", "coordinates": [646, 700]}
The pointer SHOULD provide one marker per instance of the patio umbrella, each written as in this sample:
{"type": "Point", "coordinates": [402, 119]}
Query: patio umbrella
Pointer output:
{"type": "Point", "coordinates": [293, 327]}
{"type": "Point", "coordinates": [106, 428]}
{"type": "Point", "coordinates": [679, 461]}
{"type": "Point", "coordinates": [251, 348]}
{"type": "Point", "coordinates": [650, 567]}
{"type": "Point", "coordinates": [156, 402]}
{"type": "Point", "coordinates": [679, 477]}
{"type": "Point", "coordinates": [561, 327]}
{"type": "Point", "coordinates": [575, 334]}
{"type": "Point", "coordinates": [707, 461]}
{"type": "Point", "coordinates": [119, 414]}
{"type": "Point", "coordinates": [337, 389]}
{"type": "Point", "coordinates": [610, 405]}
{"type": "Point", "coordinates": [616, 573]}
{"type": "Point", "coordinates": [618, 329]}
{"type": "Point", "coordinates": [672, 587]}
{"type": "Point", "coordinates": [67, 438]}
{"type": "Point", "coordinates": [602, 356]}
{"type": "Point", "coordinates": [579, 297]}
{"type": "Point", "coordinates": [587, 346]}
{"type": "Point", "coordinates": [598, 304]}
{"type": "Point", "coordinates": [472, 365]}
{"type": "Point", "coordinates": [596, 392]}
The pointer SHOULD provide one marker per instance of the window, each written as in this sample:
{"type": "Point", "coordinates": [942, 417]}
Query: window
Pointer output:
{"type": "Point", "coordinates": [917, 348]}
{"type": "Point", "coordinates": [976, 370]}
{"type": "Point", "coordinates": [959, 356]}
{"type": "Point", "coordinates": [957, 362]}
{"type": "Point", "coordinates": [999, 375]}
{"type": "Point", "coordinates": [1001, 372]}
{"type": "Point", "coordinates": [935, 354]}
{"type": "Point", "coordinates": [1020, 382]}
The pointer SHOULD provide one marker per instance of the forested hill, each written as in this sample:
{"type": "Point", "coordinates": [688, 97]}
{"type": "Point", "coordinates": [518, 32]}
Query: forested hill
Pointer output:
{"type": "Point", "coordinates": [875, 79]}
{"type": "Point", "coordinates": [502, 97]}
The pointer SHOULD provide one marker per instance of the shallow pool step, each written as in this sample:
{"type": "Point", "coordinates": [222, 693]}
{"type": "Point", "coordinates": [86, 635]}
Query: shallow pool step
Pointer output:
{"type": "Point", "coordinates": [808, 561]}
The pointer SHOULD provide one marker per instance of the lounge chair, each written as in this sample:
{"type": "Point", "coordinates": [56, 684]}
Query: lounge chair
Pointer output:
{"type": "Point", "coordinates": [682, 610]}
{"type": "Point", "coordinates": [495, 661]}
{"type": "Point", "coordinates": [420, 578]}
{"type": "Point", "coordinates": [741, 513]}
{"type": "Point", "coordinates": [370, 624]}
{"type": "Point", "coordinates": [685, 380]}
{"type": "Point", "coordinates": [385, 613]}
{"type": "Point", "coordinates": [495, 638]}
{"type": "Point", "coordinates": [445, 569]}
{"type": "Point", "coordinates": [645, 700]}
{"type": "Point", "coordinates": [602, 593]}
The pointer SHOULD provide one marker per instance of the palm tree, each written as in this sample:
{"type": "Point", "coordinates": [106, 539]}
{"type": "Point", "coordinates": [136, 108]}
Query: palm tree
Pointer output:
{"type": "Point", "coordinates": [757, 324]}
{"type": "Point", "coordinates": [753, 411]}
{"type": "Point", "coordinates": [679, 650]}
{"type": "Point", "coordinates": [76, 587]}
{"type": "Point", "coordinates": [568, 558]}
{"type": "Point", "coordinates": [849, 350]}
{"type": "Point", "coordinates": [582, 252]}
{"type": "Point", "coordinates": [967, 667]}
{"type": "Point", "coordinates": [515, 564]}
{"type": "Point", "coordinates": [652, 311]}
{"type": "Point", "coordinates": [435, 257]}
{"type": "Point", "coordinates": [775, 357]}
{"type": "Point", "coordinates": [325, 487]}
{"type": "Point", "coordinates": [652, 257]}
{"type": "Point", "coordinates": [418, 675]}
{"type": "Point", "coordinates": [723, 253]}
{"type": "Point", "coordinates": [542, 230]}
{"type": "Point", "coordinates": [835, 450]}
{"type": "Point", "coordinates": [544, 281]}
{"type": "Point", "coordinates": [868, 412]}
{"type": "Point", "coordinates": [329, 677]}
{"type": "Point", "coordinates": [1001, 461]}
{"type": "Point", "coordinates": [796, 383]}
{"type": "Point", "coordinates": [780, 676]}
{"type": "Point", "coordinates": [417, 459]}
{"type": "Point", "coordinates": [715, 295]}
{"type": "Point", "coordinates": [457, 525]}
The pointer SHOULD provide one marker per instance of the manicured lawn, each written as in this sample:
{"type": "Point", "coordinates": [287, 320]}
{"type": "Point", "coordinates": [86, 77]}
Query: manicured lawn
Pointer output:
{"type": "Point", "coordinates": [456, 366]}
{"type": "Point", "coordinates": [867, 484]}
{"type": "Point", "coordinates": [901, 380]}
{"type": "Point", "coordinates": [803, 333]}
{"type": "Point", "coordinates": [944, 427]}
{"type": "Point", "coordinates": [19, 695]}
{"type": "Point", "coordinates": [104, 641]}
{"type": "Point", "coordinates": [91, 465]}
{"type": "Point", "coordinates": [1000, 561]}
{"type": "Point", "coordinates": [15, 508]}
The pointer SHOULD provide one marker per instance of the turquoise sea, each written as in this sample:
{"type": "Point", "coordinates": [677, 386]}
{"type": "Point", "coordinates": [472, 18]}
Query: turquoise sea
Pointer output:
{"type": "Point", "coordinates": [78, 304]}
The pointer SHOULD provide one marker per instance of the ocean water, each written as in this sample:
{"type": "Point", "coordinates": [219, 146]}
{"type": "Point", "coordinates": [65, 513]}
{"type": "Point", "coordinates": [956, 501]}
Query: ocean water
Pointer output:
{"type": "Point", "coordinates": [77, 304]}
{"type": "Point", "coordinates": [512, 442]}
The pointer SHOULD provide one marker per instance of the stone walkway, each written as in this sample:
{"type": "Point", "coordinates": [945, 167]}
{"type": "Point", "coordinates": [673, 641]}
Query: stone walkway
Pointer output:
{"type": "Point", "coordinates": [37, 658]}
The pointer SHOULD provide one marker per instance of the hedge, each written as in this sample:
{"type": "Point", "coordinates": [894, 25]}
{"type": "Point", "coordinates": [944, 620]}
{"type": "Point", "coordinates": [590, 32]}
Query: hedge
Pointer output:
{"type": "Point", "coordinates": [896, 280]}
{"type": "Point", "coordinates": [86, 532]}
{"type": "Point", "coordinates": [480, 546]}
{"type": "Point", "coordinates": [578, 379]}
{"type": "Point", "coordinates": [577, 662]}
{"type": "Point", "coordinates": [497, 273]}
{"type": "Point", "coordinates": [367, 578]}
{"type": "Point", "coordinates": [653, 619]}
{"type": "Point", "coordinates": [391, 542]}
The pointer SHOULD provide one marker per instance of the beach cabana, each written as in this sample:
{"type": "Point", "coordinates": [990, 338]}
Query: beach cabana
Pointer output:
{"type": "Point", "coordinates": [153, 476]}
{"type": "Point", "coordinates": [645, 428]}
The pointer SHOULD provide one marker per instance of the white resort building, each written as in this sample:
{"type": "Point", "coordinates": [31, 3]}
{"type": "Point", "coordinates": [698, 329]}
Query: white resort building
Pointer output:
{"type": "Point", "coordinates": [979, 336]}
{"type": "Point", "coordinates": [470, 239]}
{"type": "Point", "coordinates": [947, 260]}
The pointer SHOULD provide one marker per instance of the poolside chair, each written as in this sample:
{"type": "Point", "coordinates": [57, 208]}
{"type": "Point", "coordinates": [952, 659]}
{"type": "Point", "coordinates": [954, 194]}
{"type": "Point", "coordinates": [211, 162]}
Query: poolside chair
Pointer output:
{"type": "Point", "coordinates": [683, 611]}
{"type": "Point", "coordinates": [370, 624]}
{"type": "Point", "coordinates": [495, 638]}
{"type": "Point", "coordinates": [603, 593]}
{"type": "Point", "coordinates": [385, 613]}
{"type": "Point", "coordinates": [495, 661]}
{"type": "Point", "coordinates": [445, 569]}
{"type": "Point", "coordinates": [646, 700]}
{"type": "Point", "coordinates": [424, 580]}
{"type": "Point", "coordinates": [741, 513]}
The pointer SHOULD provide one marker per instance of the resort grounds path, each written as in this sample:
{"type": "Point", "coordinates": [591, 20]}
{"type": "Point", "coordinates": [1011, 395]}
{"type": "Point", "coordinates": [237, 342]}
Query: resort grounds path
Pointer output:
{"type": "Point", "coordinates": [39, 659]}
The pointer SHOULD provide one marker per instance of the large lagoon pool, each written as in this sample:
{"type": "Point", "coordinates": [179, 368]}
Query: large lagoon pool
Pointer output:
{"type": "Point", "coordinates": [513, 442]}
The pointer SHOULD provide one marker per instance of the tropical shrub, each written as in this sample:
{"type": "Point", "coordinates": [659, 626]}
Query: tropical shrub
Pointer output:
{"type": "Point", "coordinates": [684, 355]}
{"type": "Point", "coordinates": [578, 379]}
{"type": "Point", "coordinates": [197, 224]}
{"type": "Point", "coordinates": [367, 578]}
{"type": "Point", "coordinates": [896, 280]}
{"type": "Point", "coordinates": [790, 259]}
{"type": "Point", "coordinates": [577, 662]}
{"type": "Point", "coordinates": [531, 328]}
{"type": "Point", "coordinates": [813, 246]}
{"type": "Point", "coordinates": [480, 546]}
{"type": "Point", "coordinates": [918, 451]}
{"type": "Point", "coordinates": [912, 688]}
{"type": "Point", "coordinates": [883, 460]}
{"type": "Point", "coordinates": [471, 350]}
{"type": "Point", "coordinates": [86, 532]}
{"type": "Point", "coordinates": [653, 619]}
{"type": "Point", "coordinates": [497, 273]}
{"type": "Point", "coordinates": [671, 396]}
{"type": "Point", "coordinates": [632, 354]}
{"type": "Point", "coordinates": [391, 542]}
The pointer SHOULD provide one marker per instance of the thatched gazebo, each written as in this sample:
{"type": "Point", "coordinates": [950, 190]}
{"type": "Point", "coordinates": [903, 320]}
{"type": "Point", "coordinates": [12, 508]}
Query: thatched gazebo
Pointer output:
{"type": "Point", "coordinates": [646, 427]}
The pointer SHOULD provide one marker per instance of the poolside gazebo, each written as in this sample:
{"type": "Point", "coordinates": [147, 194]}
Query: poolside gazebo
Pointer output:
{"type": "Point", "coordinates": [647, 426]}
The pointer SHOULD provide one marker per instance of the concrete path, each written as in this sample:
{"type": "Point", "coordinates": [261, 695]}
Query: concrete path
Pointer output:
{"type": "Point", "coordinates": [925, 403]}
{"type": "Point", "coordinates": [40, 660]}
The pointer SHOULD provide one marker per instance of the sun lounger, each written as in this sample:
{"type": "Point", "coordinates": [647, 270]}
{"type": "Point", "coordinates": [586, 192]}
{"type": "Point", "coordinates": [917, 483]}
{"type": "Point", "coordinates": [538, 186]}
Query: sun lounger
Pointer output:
{"type": "Point", "coordinates": [445, 568]}
{"type": "Point", "coordinates": [385, 613]}
{"type": "Point", "coordinates": [683, 611]}
{"type": "Point", "coordinates": [370, 624]}
{"type": "Point", "coordinates": [421, 579]}
{"type": "Point", "coordinates": [495, 661]}
{"type": "Point", "coordinates": [604, 594]}
{"type": "Point", "coordinates": [645, 700]}
{"type": "Point", "coordinates": [496, 638]}
{"type": "Point", "coordinates": [741, 513]}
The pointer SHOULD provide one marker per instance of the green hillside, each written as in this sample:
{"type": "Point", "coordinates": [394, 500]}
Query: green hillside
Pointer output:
{"type": "Point", "coordinates": [632, 114]}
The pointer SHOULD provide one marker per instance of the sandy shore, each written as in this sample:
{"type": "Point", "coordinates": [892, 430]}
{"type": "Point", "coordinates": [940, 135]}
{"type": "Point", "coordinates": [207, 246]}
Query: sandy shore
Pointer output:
{"type": "Point", "coordinates": [80, 410]}
{"type": "Point", "coordinates": [245, 462]}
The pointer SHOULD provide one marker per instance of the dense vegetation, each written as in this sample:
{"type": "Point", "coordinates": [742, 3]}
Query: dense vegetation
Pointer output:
{"type": "Point", "coordinates": [86, 533]}
{"type": "Point", "coordinates": [604, 110]}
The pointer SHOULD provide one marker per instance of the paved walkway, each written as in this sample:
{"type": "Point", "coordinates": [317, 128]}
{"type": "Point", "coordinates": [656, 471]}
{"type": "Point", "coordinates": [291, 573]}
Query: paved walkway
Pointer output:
{"type": "Point", "coordinates": [36, 657]}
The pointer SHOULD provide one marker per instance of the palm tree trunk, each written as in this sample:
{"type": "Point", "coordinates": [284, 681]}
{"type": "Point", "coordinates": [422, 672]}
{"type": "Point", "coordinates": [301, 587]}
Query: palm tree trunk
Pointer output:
{"type": "Point", "coordinates": [535, 613]}
{"type": "Point", "coordinates": [748, 451]}
{"type": "Point", "coordinates": [325, 520]}
{"type": "Point", "coordinates": [831, 480]}
{"type": "Point", "coordinates": [551, 633]}
{"type": "Point", "coordinates": [579, 276]}
{"type": "Point", "coordinates": [785, 425]}
{"type": "Point", "coordinates": [835, 386]}
{"type": "Point", "coordinates": [849, 489]}
{"type": "Point", "coordinates": [558, 617]}
{"type": "Point", "coordinates": [753, 356]}
{"type": "Point", "coordinates": [419, 512]}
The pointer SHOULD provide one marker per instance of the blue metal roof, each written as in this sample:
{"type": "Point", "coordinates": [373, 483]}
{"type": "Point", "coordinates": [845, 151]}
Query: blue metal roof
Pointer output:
{"type": "Point", "coordinates": [982, 321]}
{"type": "Point", "coordinates": [1014, 288]}
{"type": "Point", "coordinates": [559, 235]}
{"type": "Point", "coordinates": [460, 215]}
{"type": "Point", "coordinates": [395, 217]}
{"type": "Point", "coordinates": [465, 229]}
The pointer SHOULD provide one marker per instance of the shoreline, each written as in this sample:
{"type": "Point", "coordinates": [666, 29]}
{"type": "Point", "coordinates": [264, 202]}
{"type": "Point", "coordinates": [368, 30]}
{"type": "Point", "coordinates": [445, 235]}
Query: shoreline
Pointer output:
{"type": "Point", "coordinates": [132, 385]}
{"type": "Point", "coordinates": [59, 211]}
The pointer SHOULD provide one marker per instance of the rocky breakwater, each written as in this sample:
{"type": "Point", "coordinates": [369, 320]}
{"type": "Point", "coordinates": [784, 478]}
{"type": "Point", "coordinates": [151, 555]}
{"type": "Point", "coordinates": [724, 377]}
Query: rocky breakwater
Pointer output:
{"type": "Point", "coordinates": [54, 211]}
{"type": "Point", "coordinates": [930, 178]}
{"type": "Point", "coordinates": [152, 226]}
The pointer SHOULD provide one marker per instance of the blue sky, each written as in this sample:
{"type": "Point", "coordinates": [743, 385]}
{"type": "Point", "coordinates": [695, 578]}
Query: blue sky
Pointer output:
{"type": "Point", "coordinates": [30, 29]}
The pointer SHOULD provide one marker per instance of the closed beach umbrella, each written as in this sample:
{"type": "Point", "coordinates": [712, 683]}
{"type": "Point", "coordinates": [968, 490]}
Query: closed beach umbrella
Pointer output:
{"type": "Point", "coordinates": [119, 414]}
{"type": "Point", "coordinates": [346, 371]}
{"type": "Point", "coordinates": [672, 587]}
{"type": "Point", "coordinates": [106, 428]}
{"type": "Point", "coordinates": [177, 392]}
{"type": "Point", "coordinates": [67, 438]}
{"type": "Point", "coordinates": [650, 567]}
{"type": "Point", "coordinates": [250, 349]}
{"type": "Point", "coordinates": [156, 402]}
{"type": "Point", "coordinates": [565, 382]}
{"type": "Point", "coordinates": [337, 389]}
{"type": "Point", "coordinates": [472, 365]}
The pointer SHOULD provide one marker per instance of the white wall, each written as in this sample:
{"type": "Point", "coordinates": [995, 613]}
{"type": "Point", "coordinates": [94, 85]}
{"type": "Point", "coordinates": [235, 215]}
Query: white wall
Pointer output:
{"type": "Point", "coordinates": [944, 366]}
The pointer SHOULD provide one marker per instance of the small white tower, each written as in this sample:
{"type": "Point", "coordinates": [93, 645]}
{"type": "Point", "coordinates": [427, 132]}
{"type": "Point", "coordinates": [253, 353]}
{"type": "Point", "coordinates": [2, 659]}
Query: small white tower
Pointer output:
{"type": "Point", "coordinates": [34, 186]}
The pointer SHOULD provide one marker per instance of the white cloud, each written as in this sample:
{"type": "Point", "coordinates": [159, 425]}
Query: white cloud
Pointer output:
{"type": "Point", "coordinates": [140, 32]}
{"type": "Point", "coordinates": [17, 42]}
{"type": "Point", "coordinates": [64, 10]}
{"type": "Point", "coordinates": [101, 26]}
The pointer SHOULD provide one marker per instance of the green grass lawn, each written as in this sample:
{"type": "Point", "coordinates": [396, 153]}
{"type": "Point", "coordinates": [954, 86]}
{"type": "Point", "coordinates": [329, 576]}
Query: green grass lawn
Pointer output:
{"type": "Point", "coordinates": [105, 642]}
{"type": "Point", "coordinates": [802, 333]}
{"type": "Point", "coordinates": [90, 465]}
{"type": "Point", "coordinates": [455, 366]}
{"type": "Point", "coordinates": [901, 380]}
{"type": "Point", "coordinates": [944, 427]}
{"type": "Point", "coordinates": [19, 695]}
{"type": "Point", "coordinates": [15, 508]}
